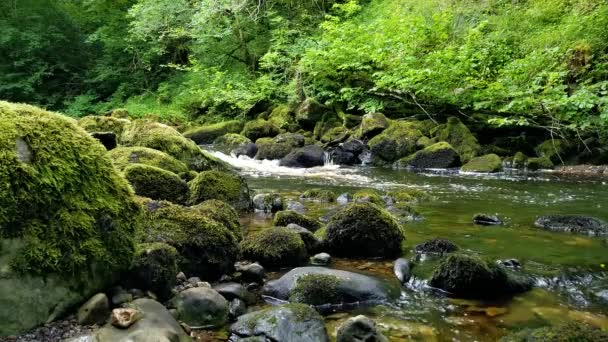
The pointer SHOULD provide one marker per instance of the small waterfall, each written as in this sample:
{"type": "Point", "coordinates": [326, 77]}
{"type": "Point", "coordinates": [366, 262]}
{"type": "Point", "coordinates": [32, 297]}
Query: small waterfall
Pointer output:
{"type": "Point", "coordinates": [328, 159]}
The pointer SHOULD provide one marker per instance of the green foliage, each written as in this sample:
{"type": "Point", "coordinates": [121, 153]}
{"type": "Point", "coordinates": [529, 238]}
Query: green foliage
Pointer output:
{"type": "Point", "coordinates": [61, 196]}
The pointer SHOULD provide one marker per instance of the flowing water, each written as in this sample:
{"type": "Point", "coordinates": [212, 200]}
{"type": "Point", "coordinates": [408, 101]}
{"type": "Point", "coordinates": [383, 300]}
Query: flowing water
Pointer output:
{"type": "Point", "coordinates": [570, 270]}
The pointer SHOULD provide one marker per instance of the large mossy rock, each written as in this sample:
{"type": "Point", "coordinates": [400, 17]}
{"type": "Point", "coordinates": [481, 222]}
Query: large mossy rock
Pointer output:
{"type": "Point", "coordinates": [96, 123]}
{"type": "Point", "coordinates": [305, 157]}
{"type": "Point", "coordinates": [472, 277]}
{"type": "Point", "coordinates": [395, 142]}
{"type": "Point", "coordinates": [573, 224]}
{"type": "Point", "coordinates": [154, 268]}
{"type": "Point", "coordinates": [125, 156]}
{"type": "Point", "coordinates": [285, 217]}
{"type": "Point", "coordinates": [568, 332]}
{"type": "Point", "coordinates": [282, 117]}
{"type": "Point", "coordinates": [208, 134]}
{"type": "Point", "coordinates": [321, 285]}
{"type": "Point", "coordinates": [224, 186]}
{"type": "Point", "coordinates": [166, 139]}
{"type": "Point", "coordinates": [485, 164]}
{"type": "Point", "coordinates": [364, 230]}
{"type": "Point", "coordinates": [223, 213]}
{"type": "Point", "coordinates": [440, 155]}
{"type": "Point", "coordinates": [207, 247]}
{"type": "Point", "coordinates": [372, 124]}
{"type": "Point", "coordinates": [156, 183]}
{"type": "Point", "coordinates": [290, 322]}
{"type": "Point", "coordinates": [156, 324]}
{"type": "Point", "coordinates": [68, 219]}
{"type": "Point", "coordinates": [274, 247]}
{"type": "Point", "coordinates": [540, 163]}
{"type": "Point", "coordinates": [309, 113]}
{"type": "Point", "coordinates": [231, 141]}
{"type": "Point", "coordinates": [459, 136]}
{"type": "Point", "coordinates": [260, 128]}
{"type": "Point", "coordinates": [556, 150]}
{"type": "Point", "coordinates": [279, 146]}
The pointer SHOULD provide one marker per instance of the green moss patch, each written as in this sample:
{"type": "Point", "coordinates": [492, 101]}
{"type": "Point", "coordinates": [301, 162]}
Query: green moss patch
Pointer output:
{"type": "Point", "coordinates": [156, 183]}
{"type": "Point", "coordinates": [395, 142]}
{"type": "Point", "coordinates": [316, 289]}
{"type": "Point", "coordinates": [285, 217]}
{"type": "Point", "coordinates": [223, 213]}
{"type": "Point", "coordinates": [459, 136]}
{"type": "Point", "coordinates": [224, 186]}
{"type": "Point", "coordinates": [486, 163]}
{"type": "Point", "coordinates": [274, 247]}
{"type": "Point", "coordinates": [260, 128]}
{"type": "Point", "coordinates": [320, 195]}
{"type": "Point", "coordinates": [94, 123]}
{"type": "Point", "coordinates": [154, 268]}
{"type": "Point", "coordinates": [207, 134]}
{"type": "Point", "coordinates": [124, 156]}
{"type": "Point", "coordinates": [369, 196]}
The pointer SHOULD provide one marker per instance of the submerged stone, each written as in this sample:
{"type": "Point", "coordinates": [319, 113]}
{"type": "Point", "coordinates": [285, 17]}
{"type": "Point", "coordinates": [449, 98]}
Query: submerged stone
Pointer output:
{"type": "Point", "coordinates": [485, 164]}
{"type": "Point", "coordinates": [487, 220]}
{"type": "Point", "coordinates": [359, 329]}
{"type": "Point", "coordinates": [403, 270]}
{"type": "Point", "coordinates": [573, 224]}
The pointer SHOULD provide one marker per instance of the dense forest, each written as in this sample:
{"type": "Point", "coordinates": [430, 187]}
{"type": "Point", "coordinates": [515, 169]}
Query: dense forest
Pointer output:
{"type": "Point", "coordinates": [541, 63]}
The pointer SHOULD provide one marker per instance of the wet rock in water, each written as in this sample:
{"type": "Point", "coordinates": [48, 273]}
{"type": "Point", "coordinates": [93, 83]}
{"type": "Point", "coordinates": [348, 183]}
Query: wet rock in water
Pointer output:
{"type": "Point", "coordinates": [268, 203]}
{"type": "Point", "coordinates": [487, 220]}
{"type": "Point", "coordinates": [321, 259]}
{"type": "Point", "coordinates": [231, 141]}
{"type": "Point", "coordinates": [471, 277]}
{"type": "Point", "coordinates": [260, 128]}
{"type": "Point", "coordinates": [291, 322]}
{"type": "Point", "coordinates": [369, 196]}
{"type": "Point", "coordinates": [573, 224]}
{"type": "Point", "coordinates": [349, 287]}
{"type": "Point", "coordinates": [436, 246]}
{"type": "Point", "coordinates": [230, 291]}
{"type": "Point", "coordinates": [603, 295]}
{"type": "Point", "coordinates": [307, 156]}
{"type": "Point", "coordinates": [364, 230]}
{"type": "Point", "coordinates": [353, 146]}
{"type": "Point", "coordinates": [124, 317]}
{"type": "Point", "coordinates": [459, 136]}
{"type": "Point", "coordinates": [154, 268]}
{"type": "Point", "coordinates": [485, 164]}
{"type": "Point", "coordinates": [253, 272]}
{"type": "Point", "coordinates": [107, 139]}
{"type": "Point", "coordinates": [319, 195]}
{"type": "Point", "coordinates": [341, 157]}
{"type": "Point", "coordinates": [359, 329]}
{"type": "Point", "coordinates": [396, 142]}
{"type": "Point", "coordinates": [275, 247]}
{"type": "Point", "coordinates": [279, 146]}
{"type": "Point", "coordinates": [236, 308]}
{"type": "Point", "coordinates": [311, 242]}
{"type": "Point", "coordinates": [283, 218]}
{"type": "Point", "coordinates": [403, 270]}
{"type": "Point", "coordinates": [201, 307]}
{"type": "Point", "coordinates": [344, 198]}
{"type": "Point", "coordinates": [316, 289]}
{"type": "Point", "coordinates": [296, 207]}
{"type": "Point", "coordinates": [571, 331]}
{"type": "Point", "coordinates": [248, 149]}
{"type": "Point", "coordinates": [95, 311]}
{"type": "Point", "coordinates": [437, 156]}
{"type": "Point", "coordinates": [156, 324]}
{"type": "Point", "coordinates": [510, 263]}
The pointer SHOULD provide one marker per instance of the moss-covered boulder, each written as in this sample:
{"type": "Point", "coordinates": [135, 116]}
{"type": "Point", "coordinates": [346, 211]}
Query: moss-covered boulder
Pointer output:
{"type": "Point", "coordinates": [519, 160]}
{"type": "Point", "coordinates": [274, 247]}
{"type": "Point", "coordinates": [231, 141]}
{"type": "Point", "coordinates": [372, 124]}
{"type": "Point", "coordinates": [224, 186]}
{"type": "Point", "coordinates": [260, 128]}
{"type": "Point", "coordinates": [222, 213]}
{"type": "Point", "coordinates": [309, 113]}
{"type": "Point", "coordinates": [285, 217]}
{"type": "Point", "coordinates": [368, 196]}
{"type": "Point", "coordinates": [487, 163]}
{"type": "Point", "coordinates": [282, 117]}
{"type": "Point", "coordinates": [339, 133]}
{"type": "Point", "coordinates": [154, 268]}
{"type": "Point", "coordinates": [472, 277]}
{"type": "Point", "coordinates": [95, 123]}
{"type": "Point", "coordinates": [304, 157]}
{"type": "Point", "coordinates": [395, 142]}
{"type": "Point", "coordinates": [279, 146]}
{"type": "Point", "coordinates": [156, 183]}
{"type": "Point", "coordinates": [316, 289]}
{"type": "Point", "coordinates": [568, 332]}
{"type": "Point", "coordinates": [166, 139]}
{"type": "Point", "coordinates": [539, 163]}
{"type": "Point", "coordinates": [207, 134]}
{"type": "Point", "coordinates": [328, 122]}
{"type": "Point", "coordinates": [207, 248]}
{"type": "Point", "coordinates": [125, 156]}
{"type": "Point", "coordinates": [120, 113]}
{"type": "Point", "coordinates": [459, 136]}
{"type": "Point", "coordinates": [440, 155]}
{"type": "Point", "coordinates": [408, 195]}
{"type": "Point", "coordinates": [320, 195]}
{"type": "Point", "coordinates": [201, 307]}
{"type": "Point", "coordinates": [554, 149]}
{"type": "Point", "coordinates": [364, 230]}
{"type": "Point", "coordinates": [67, 218]}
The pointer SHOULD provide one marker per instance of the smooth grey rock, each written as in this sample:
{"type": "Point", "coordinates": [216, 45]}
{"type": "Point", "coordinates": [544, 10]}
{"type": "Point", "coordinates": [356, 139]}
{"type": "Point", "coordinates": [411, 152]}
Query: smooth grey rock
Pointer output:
{"type": "Point", "coordinates": [201, 307]}
{"type": "Point", "coordinates": [231, 291]}
{"type": "Point", "coordinates": [359, 329]}
{"type": "Point", "coordinates": [95, 311]}
{"type": "Point", "coordinates": [310, 240]}
{"type": "Point", "coordinates": [304, 157]}
{"type": "Point", "coordinates": [268, 202]}
{"type": "Point", "coordinates": [236, 308]}
{"type": "Point", "coordinates": [321, 259]}
{"type": "Point", "coordinates": [253, 272]}
{"type": "Point", "coordinates": [344, 198]}
{"type": "Point", "coordinates": [296, 206]}
{"type": "Point", "coordinates": [573, 224]}
{"type": "Point", "coordinates": [286, 323]}
{"type": "Point", "coordinates": [403, 270]}
{"type": "Point", "coordinates": [248, 149]}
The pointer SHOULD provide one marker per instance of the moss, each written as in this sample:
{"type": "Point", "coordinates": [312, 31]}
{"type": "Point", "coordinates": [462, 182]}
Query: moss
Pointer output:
{"type": "Point", "coordinates": [156, 183]}
{"type": "Point", "coordinates": [95, 123]}
{"type": "Point", "coordinates": [154, 268]}
{"type": "Point", "coordinates": [274, 247]}
{"type": "Point", "coordinates": [539, 163]}
{"type": "Point", "coordinates": [61, 195]}
{"type": "Point", "coordinates": [320, 195]}
{"type": "Point", "coordinates": [283, 218]}
{"type": "Point", "coordinates": [321, 233]}
{"type": "Point", "coordinates": [368, 195]}
{"type": "Point", "coordinates": [231, 141]}
{"type": "Point", "coordinates": [408, 195]}
{"type": "Point", "coordinates": [310, 112]}
{"type": "Point", "coordinates": [395, 142]}
{"type": "Point", "coordinates": [279, 146]}
{"type": "Point", "coordinates": [166, 139]}
{"type": "Point", "coordinates": [459, 136]}
{"type": "Point", "coordinates": [223, 213]}
{"type": "Point", "coordinates": [568, 332]}
{"type": "Point", "coordinates": [372, 124]}
{"type": "Point", "coordinates": [259, 128]}
{"type": "Point", "coordinates": [335, 134]}
{"type": "Point", "coordinates": [554, 149]}
{"type": "Point", "coordinates": [316, 289]}
{"type": "Point", "coordinates": [120, 113]}
{"type": "Point", "coordinates": [519, 160]}
{"type": "Point", "coordinates": [364, 230]}
{"type": "Point", "coordinates": [188, 175]}
{"type": "Point", "coordinates": [424, 141]}
{"type": "Point", "coordinates": [329, 121]}
{"type": "Point", "coordinates": [206, 247]}
{"type": "Point", "coordinates": [473, 277]}
{"type": "Point", "coordinates": [124, 156]}
{"type": "Point", "coordinates": [440, 155]}
{"type": "Point", "coordinates": [224, 186]}
{"type": "Point", "coordinates": [281, 116]}
{"type": "Point", "coordinates": [436, 246]}
{"type": "Point", "coordinates": [207, 134]}
{"type": "Point", "coordinates": [486, 163]}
